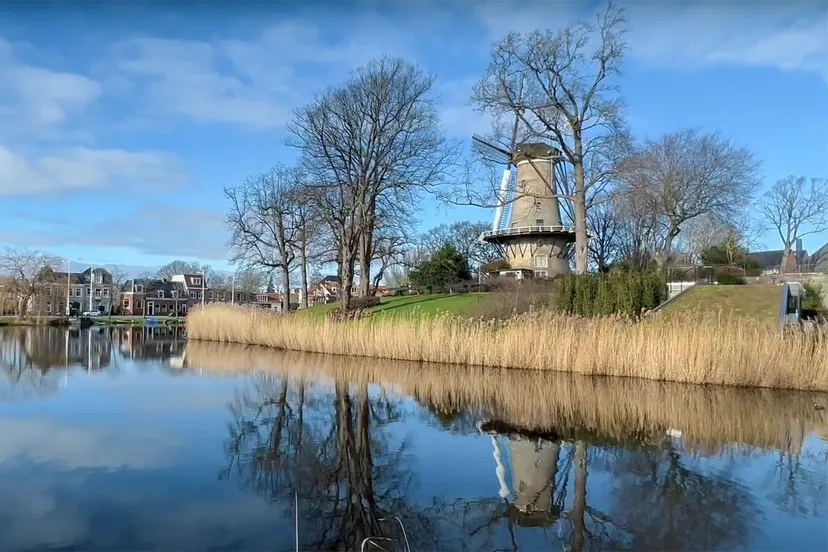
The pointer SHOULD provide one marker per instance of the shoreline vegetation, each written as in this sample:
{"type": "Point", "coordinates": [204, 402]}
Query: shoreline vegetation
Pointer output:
{"type": "Point", "coordinates": [708, 350]}
{"type": "Point", "coordinates": [708, 419]}
{"type": "Point", "coordinates": [62, 321]}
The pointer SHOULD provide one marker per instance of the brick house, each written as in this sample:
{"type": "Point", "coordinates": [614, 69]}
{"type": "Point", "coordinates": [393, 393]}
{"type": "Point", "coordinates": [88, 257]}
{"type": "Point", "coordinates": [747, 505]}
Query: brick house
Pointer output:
{"type": "Point", "coordinates": [146, 297]}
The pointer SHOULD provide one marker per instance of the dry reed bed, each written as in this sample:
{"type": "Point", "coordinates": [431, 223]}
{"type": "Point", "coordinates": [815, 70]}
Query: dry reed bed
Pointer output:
{"type": "Point", "coordinates": [709, 417]}
{"type": "Point", "coordinates": [688, 349]}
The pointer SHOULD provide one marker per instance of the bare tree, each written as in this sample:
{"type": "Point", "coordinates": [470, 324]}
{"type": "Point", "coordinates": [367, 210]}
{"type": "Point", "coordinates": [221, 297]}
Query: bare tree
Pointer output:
{"type": "Point", "coordinates": [682, 176]}
{"type": "Point", "coordinates": [263, 225]}
{"type": "Point", "coordinates": [560, 86]}
{"type": "Point", "coordinates": [796, 207]}
{"type": "Point", "coordinates": [377, 136]}
{"type": "Point", "coordinates": [250, 279]}
{"type": "Point", "coordinates": [182, 267]}
{"type": "Point", "coordinates": [312, 241]}
{"type": "Point", "coordinates": [119, 277]}
{"type": "Point", "coordinates": [465, 237]}
{"type": "Point", "coordinates": [25, 268]}
{"type": "Point", "coordinates": [604, 228]}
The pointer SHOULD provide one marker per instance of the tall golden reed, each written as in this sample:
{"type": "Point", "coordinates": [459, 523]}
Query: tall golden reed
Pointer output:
{"type": "Point", "coordinates": [710, 418]}
{"type": "Point", "coordinates": [712, 350]}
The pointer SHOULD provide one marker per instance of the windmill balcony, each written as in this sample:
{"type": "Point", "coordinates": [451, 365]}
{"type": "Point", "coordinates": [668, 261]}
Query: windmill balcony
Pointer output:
{"type": "Point", "coordinates": [497, 235]}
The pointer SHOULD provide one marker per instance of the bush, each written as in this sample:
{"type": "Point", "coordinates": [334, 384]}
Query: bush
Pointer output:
{"type": "Point", "coordinates": [727, 278]}
{"type": "Point", "coordinates": [364, 302]}
{"type": "Point", "coordinates": [626, 293]}
{"type": "Point", "coordinates": [814, 298]}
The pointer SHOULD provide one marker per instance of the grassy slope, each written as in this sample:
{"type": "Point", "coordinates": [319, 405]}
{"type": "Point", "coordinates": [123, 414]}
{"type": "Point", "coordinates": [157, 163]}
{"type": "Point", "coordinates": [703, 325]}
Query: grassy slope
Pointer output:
{"type": "Point", "coordinates": [756, 301]}
{"type": "Point", "coordinates": [466, 304]}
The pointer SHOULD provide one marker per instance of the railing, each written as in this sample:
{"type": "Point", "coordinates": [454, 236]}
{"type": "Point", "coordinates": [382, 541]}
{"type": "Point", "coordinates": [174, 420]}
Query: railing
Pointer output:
{"type": "Point", "coordinates": [527, 230]}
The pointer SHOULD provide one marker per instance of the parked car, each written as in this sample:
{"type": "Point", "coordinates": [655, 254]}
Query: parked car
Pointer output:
{"type": "Point", "coordinates": [91, 313]}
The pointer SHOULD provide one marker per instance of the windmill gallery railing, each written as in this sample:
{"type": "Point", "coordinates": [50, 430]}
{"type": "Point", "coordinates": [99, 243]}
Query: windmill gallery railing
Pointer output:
{"type": "Point", "coordinates": [528, 230]}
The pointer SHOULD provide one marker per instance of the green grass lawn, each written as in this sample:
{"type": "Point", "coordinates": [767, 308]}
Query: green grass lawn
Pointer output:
{"type": "Point", "coordinates": [756, 301]}
{"type": "Point", "coordinates": [466, 304]}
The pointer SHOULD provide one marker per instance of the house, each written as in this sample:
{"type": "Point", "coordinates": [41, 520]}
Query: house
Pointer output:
{"type": "Point", "coordinates": [149, 297]}
{"type": "Point", "coordinates": [91, 289]}
{"type": "Point", "coordinates": [770, 262]}
{"type": "Point", "coordinates": [818, 262]}
{"type": "Point", "coordinates": [194, 285]}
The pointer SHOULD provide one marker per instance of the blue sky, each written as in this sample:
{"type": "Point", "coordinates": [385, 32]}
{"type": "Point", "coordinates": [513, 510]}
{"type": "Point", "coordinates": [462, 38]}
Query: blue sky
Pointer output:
{"type": "Point", "coordinates": [121, 123]}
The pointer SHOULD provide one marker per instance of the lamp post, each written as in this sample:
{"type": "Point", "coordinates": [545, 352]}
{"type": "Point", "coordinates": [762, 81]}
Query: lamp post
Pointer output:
{"type": "Point", "coordinates": [202, 289]}
{"type": "Point", "coordinates": [233, 290]}
{"type": "Point", "coordinates": [68, 287]}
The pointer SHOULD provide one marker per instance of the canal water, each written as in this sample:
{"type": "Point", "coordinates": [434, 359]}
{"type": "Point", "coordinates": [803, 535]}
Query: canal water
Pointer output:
{"type": "Point", "coordinates": [134, 439]}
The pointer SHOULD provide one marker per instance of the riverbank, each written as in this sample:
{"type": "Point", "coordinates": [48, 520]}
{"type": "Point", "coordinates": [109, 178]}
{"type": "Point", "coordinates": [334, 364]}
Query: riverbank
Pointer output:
{"type": "Point", "coordinates": [687, 349]}
{"type": "Point", "coordinates": [96, 321]}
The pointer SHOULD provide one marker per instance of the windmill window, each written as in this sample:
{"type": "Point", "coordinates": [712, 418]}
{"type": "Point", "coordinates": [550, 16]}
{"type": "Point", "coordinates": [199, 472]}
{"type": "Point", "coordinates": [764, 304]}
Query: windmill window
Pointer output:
{"type": "Point", "coordinates": [541, 261]}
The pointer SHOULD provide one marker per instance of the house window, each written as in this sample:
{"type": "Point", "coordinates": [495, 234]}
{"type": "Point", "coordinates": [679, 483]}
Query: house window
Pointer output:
{"type": "Point", "coordinates": [541, 261]}
{"type": "Point", "coordinates": [160, 293]}
{"type": "Point", "coordinates": [221, 298]}
{"type": "Point", "coordinates": [211, 296]}
{"type": "Point", "coordinates": [106, 292]}
{"type": "Point", "coordinates": [183, 307]}
{"type": "Point", "coordinates": [261, 298]}
{"type": "Point", "coordinates": [97, 293]}
{"type": "Point", "coordinates": [541, 274]}
{"type": "Point", "coordinates": [174, 294]}
{"type": "Point", "coordinates": [48, 307]}
{"type": "Point", "coordinates": [163, 307]}
{"type": "Point", "coordinates": [538, 222]}
{"type": "Point", "coordinates": [196, 281]}
{"type": "Point", "coordinates": [126, 303]}
{"type": "Point", "coordinates": [78, 292]}
{"type": "Point", "coordinates": [139, 289]}
{"type": "Point", "coordinates": [193, 295]}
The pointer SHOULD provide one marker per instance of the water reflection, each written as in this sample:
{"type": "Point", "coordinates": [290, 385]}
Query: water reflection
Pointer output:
{"type": "Point", "coordinates": [464, 459]}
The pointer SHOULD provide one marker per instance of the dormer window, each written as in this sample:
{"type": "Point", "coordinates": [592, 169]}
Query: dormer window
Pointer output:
{"type": "Point", "coordinates": [174, 294]}
{"type": "Point", "coordinates": [139, 289]}
{"type": "Point", "coordinates": [160, 293]}
{"type": "Point", "coordinates": [196, 281]}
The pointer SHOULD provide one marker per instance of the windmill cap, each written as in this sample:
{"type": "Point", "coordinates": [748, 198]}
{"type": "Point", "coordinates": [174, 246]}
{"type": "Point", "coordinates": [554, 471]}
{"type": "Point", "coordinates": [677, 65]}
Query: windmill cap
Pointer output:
{"type": "Point", "coordinates": [535, 150]}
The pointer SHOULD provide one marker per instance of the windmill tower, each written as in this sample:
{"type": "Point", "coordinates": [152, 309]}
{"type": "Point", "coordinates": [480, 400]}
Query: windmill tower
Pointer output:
{"type": "Point", "coordinates": [527, 222]}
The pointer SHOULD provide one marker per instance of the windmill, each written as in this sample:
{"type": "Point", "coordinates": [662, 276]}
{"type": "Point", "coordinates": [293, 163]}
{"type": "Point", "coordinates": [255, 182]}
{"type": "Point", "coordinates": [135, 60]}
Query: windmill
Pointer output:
{"type": "Point", "coordinates": [527, 220]}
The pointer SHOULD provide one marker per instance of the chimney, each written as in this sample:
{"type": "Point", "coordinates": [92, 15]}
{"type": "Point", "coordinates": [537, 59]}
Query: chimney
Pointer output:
{"type": "Point", "coordinates": [799, 250]}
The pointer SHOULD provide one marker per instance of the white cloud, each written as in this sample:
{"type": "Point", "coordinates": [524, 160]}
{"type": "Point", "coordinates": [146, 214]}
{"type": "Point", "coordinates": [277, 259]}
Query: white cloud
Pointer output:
{"type": "Point", "coordinates": [146, 230]}
{"type": "Point", "coordinates": [35, 98]}
{"type": "Point", "coordinates": [82, 169]}
{"type": "Point", "coordinates": [253, 83]}
{"type": "Point", "coordinates": [783, 35]}
{"type": "Point", "coordinates": [71, 448]}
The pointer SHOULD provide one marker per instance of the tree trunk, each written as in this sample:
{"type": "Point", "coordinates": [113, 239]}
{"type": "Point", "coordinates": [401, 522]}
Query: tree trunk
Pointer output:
{"type": "Point", "coordinates": [346, 280]}
{"type": "Point", "coordinates": [580, 208]}
{"type": "Point", "coordinates": [285, 290]}
{"type": "Point", "coordinates": [365, 253]}
{"type": "Point", "coordinates": [303, 269]}
{"type": "Point", "coordinates": [783, 266]}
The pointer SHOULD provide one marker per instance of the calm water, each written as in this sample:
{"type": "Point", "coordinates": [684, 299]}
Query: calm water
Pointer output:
{"type": "Point", "coordinates": [134, 439]}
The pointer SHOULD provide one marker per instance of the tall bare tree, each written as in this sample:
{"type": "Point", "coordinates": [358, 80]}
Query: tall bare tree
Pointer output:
{"type": "Point", "coordinates": [24, 268]}
{"type": "Point", "coordinates": [561, 87]}
{"type": "Point", "coordinates": [119, 277]}
{"type": "Point", "coordinates": [464, 236]}
{"type": "Point", "coordinates": [604, 226]}
{"type": "Point", "coordinates": [182, 267]}
{"type": "Point", "coordinates": [377, 135]}
{"type": "Point", "coordinates": [684, 175]}
{"type": "Point", "coordinates": [312, 240]}
{"type": "Point", "coordinates": [796, 207]}
{"type": "Point", "coordinates": [263, 224]}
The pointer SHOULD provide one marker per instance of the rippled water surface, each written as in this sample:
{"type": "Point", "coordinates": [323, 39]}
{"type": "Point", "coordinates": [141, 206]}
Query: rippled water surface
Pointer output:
{"type": "Point", "coordinates": [129, 439]}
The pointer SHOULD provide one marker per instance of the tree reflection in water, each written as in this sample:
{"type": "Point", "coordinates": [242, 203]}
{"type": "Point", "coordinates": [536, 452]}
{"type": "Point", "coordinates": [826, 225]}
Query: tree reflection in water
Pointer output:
{"type": "Point", "coordinates": [332, 450]}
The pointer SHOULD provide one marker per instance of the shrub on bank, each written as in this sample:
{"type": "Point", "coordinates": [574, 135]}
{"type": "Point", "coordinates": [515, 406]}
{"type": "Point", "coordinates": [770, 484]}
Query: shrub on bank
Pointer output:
{"type": "Point", "coordinates": [628, 294]}
{"type": "Point", "coordinates": [364, 302]}
{"type": "Point", "coordinates": [728, 278]}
